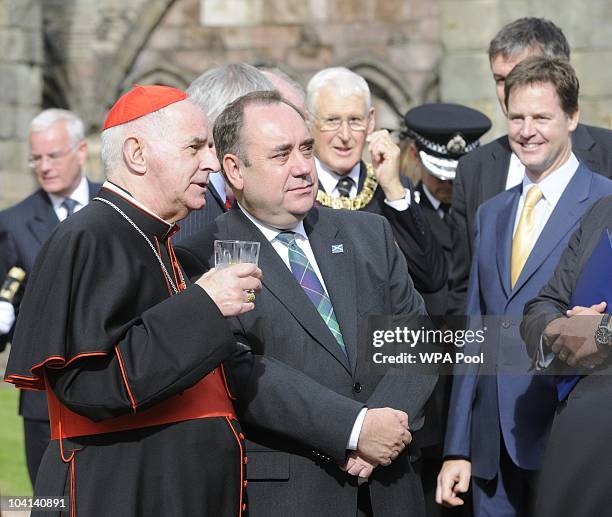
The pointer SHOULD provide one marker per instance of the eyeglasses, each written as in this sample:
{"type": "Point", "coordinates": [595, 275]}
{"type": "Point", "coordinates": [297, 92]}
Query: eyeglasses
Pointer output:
{"type": "Point", "coordinates": [36, 159]}
{"type": "Point", "coordinates": [335, 123]}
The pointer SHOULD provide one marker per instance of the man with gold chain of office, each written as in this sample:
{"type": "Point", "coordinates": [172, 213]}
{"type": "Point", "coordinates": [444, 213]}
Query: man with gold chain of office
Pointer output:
{"type": "Point", "coordinates": [341, 121]}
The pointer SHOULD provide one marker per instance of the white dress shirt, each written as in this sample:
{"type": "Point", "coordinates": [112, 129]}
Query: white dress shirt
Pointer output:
{"type": "Point", "coordinates": [516, 172]}
{"type": "Point", "coordinates": [218, 181]}
{"type": "Point", "coordinates": [552, 187]}
{"type": "Point", "coordinates": [80, 195]}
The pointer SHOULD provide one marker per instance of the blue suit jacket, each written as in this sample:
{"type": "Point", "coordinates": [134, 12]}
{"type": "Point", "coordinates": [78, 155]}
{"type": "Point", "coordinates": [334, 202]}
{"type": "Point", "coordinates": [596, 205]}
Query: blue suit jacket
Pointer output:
{"type": "Point", "coordinates": [23, 229]}
{"type": "Point", "coordinates": [520, 405]}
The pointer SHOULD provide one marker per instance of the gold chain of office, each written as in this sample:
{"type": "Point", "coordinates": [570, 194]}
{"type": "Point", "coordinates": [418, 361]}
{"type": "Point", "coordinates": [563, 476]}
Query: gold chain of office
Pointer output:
{"type": "Point", "coordinates": [352, 203]}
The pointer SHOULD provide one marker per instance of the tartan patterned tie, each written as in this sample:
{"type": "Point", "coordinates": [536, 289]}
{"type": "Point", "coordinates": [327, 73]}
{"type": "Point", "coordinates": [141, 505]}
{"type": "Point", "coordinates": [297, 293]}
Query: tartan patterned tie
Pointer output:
{"type": "Point", "coordinates": [309, 281]}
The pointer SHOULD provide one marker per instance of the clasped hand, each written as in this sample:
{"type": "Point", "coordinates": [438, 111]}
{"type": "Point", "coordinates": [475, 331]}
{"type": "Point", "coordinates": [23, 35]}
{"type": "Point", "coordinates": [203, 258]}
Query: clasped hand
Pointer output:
{"type": "Point", "coordinates": [573, 338]}
{"type": "Point", "coordinates": [384, 435]}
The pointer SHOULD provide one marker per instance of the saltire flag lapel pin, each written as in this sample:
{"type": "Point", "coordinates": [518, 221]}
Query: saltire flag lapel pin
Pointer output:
{"type": "Point", "coordinates": [337, 248]}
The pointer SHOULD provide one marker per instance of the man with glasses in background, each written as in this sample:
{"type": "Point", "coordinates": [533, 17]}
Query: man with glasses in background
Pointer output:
{"type": "Point", "coordinates": [58, 152]}
{"type": "Point", "coordinates": [341, 121]}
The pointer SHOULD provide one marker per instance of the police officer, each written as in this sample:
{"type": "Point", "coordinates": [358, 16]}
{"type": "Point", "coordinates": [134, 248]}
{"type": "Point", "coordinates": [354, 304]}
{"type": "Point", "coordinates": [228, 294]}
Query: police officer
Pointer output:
{"type": "Point", "coordinates": [440, 134]}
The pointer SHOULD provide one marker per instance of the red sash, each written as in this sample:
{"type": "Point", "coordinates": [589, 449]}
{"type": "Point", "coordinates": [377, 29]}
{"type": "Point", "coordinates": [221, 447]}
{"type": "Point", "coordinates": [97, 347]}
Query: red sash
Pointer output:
{"type": "Point", "coordinates": [208, 398]}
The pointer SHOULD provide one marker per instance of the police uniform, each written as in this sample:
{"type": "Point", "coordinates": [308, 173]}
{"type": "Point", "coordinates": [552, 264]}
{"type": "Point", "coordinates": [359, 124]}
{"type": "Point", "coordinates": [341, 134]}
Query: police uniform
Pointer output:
{"type": "Point", "coordinates": [442, 133]}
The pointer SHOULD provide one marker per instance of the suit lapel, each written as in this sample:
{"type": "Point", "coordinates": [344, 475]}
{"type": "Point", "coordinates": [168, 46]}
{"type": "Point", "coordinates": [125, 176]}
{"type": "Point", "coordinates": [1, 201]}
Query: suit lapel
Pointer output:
{"type": "Point", "coordinates": [438, 225]}
{"type": "Point", "coordinates": [362, 175]}
{"type": "Point", "coordinates": [495, 171]}
{"type": "Point", "coordinates": [504, 229]}
{"type": "Point", "coordinates": [338, 272]}
{"type": "Point", "coordinates": [583, 146]}
{"type": "Point", "coordinates": [277, 278]}
{"type": "Point", "coordinates": [44, 219]}
{"type": "Point", "coordinates": [566, 214]}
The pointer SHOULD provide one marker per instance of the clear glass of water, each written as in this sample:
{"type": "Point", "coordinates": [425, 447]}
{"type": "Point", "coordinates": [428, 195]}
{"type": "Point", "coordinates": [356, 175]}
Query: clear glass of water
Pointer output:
{"type": "Point", "coordinates": [228, 253]}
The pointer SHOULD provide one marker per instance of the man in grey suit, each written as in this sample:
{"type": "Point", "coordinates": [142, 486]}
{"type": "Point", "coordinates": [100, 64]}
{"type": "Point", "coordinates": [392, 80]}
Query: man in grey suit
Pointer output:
{"type": "Point", "coordinates": [494, 168]}
{"type": "Point", "coordinates": [58, 153]}
{"type": "Point", "coordinates": [578, 457]}
{"type": "Point", "coordinates": [324, 272]}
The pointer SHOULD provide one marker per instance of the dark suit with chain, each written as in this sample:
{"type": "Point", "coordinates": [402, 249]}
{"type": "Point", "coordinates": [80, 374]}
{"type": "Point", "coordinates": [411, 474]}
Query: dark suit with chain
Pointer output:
{"type": "Point", "coordinates": [23, 229]}
{"type": "Point", "coordinates": [482, 174]}
{"type": "Point", "coordinates": [413, 235]}
{"type": "Point", "coordinates": [365, 275]}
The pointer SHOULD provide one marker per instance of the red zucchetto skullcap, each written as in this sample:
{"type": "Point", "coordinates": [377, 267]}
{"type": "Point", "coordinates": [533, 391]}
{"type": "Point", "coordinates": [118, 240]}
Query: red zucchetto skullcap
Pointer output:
{"type": "Point", "coordinates": [140, 101]}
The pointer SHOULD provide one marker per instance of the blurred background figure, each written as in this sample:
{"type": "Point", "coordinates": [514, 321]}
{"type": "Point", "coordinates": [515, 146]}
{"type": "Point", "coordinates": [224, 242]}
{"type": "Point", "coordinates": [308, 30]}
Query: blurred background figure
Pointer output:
{"type": "Point", "coordinates": [439, 134]}
{"type": "Point", "coordinates": [288, 87]}
{"type": "Point", "coordinates": [58, 153]}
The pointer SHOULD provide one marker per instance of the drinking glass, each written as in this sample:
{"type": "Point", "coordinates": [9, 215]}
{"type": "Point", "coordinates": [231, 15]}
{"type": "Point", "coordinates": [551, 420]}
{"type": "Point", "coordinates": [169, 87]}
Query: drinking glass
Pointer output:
{"type": "Point", "coordinates": [228, 253]}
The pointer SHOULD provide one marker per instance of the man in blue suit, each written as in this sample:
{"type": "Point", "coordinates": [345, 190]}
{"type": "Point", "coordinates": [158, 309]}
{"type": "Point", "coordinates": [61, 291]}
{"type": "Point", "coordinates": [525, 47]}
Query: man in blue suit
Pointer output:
{"type": "Point", "coordinates": [58, 153]}
{"type": "Point", "coordinates": [498, 424]}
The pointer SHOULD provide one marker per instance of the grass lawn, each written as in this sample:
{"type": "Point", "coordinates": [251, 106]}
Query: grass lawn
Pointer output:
{"type": "Point", "coordinates": [13, 472]}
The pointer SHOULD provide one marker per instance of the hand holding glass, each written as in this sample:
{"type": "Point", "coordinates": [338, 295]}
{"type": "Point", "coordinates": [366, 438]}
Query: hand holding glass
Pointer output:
{"type": "Point", "coordinates": [228, 253]}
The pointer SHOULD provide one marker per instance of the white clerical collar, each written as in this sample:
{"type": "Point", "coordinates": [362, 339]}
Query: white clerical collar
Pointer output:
{"type": "Point", "coordinates": [80, 194]}
{"type": "Point", "coordinates": [270, 232]}
{"type": "Point", "coordinates": [553, 185]}
{"type": "Point", "coordinates": [128, 197]}
{"type": "Point", "coordinates": [329, 179]}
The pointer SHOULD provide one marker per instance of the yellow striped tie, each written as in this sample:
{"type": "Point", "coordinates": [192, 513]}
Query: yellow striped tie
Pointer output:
{"type": "Point", "coordinates": [524, 236]}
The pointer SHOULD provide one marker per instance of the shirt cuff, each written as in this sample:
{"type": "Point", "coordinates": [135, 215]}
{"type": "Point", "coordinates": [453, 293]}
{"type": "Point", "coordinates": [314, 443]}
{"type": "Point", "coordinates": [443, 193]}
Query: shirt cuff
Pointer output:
{"type": "Point", "coordinates": [400, 204]}
{"type": "Point", "coordinates": [354, 438]}
{"type": "Point", "coordinates": [544, 358]}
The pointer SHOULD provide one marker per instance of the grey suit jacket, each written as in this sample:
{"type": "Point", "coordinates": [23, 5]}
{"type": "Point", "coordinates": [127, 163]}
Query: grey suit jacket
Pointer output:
{"type": "Point", "coordinates": [368, 277]}
{"type": "Point", "coordinates": [482, 174]}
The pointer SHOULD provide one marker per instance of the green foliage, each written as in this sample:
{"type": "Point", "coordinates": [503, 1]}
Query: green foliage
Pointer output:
{"type": "Point", "coordinates": [14, 478]}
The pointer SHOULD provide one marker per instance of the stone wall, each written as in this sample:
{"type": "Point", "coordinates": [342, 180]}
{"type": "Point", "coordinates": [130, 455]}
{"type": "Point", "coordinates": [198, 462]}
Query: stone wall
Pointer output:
{"type": "Point", "coordinates": [410, 51]}
{"type": "Point", "coordinates": [467, 26]}
{"type": "Point", "coordinates": [395, 44]}
{"type": "Point", "coordinates": [20, 91]}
